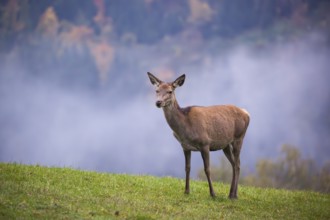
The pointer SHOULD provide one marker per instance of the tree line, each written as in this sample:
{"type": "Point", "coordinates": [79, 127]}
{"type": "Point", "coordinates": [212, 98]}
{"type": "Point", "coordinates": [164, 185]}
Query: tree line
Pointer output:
{"type": "Point", "coordinates": [61, 35]}
{"type": "Point", "coordinates": [289, 171]}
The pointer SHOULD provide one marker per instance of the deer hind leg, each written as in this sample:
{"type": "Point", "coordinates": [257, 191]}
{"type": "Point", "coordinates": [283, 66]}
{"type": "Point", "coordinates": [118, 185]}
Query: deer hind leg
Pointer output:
{"type": "Point", "coordinates": [232, 152]}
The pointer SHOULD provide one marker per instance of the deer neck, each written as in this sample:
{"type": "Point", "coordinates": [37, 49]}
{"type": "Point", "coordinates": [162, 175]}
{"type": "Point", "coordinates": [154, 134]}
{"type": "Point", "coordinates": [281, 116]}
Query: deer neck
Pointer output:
{"type": "Point", "coordinates": [175, 117]}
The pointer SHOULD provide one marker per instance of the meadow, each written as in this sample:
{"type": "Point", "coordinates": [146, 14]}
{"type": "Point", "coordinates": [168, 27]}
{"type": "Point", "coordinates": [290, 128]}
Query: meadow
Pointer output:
{"type": "Point", "coordinates": [36, 192]}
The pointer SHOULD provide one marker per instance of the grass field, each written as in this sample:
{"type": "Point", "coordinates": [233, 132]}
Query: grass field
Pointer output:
{"type": "Point", "coordinates": [35, 192]}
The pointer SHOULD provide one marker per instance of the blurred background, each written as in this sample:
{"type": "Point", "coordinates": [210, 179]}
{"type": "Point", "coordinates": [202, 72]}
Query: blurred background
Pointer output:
{"type": "Point", "coordinates": [74, 90]}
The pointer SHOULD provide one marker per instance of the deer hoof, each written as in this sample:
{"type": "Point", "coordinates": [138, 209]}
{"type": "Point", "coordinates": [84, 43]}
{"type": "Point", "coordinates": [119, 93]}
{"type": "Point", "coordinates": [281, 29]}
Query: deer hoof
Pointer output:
{"type": "Point", "coordinates": [232, 197]}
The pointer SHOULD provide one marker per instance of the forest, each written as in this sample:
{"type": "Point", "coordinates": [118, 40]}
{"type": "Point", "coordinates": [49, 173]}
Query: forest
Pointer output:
{"type": "Point", "coordinates": [74, 90]}
{"type": "Point", "coordinates": [43, 34]}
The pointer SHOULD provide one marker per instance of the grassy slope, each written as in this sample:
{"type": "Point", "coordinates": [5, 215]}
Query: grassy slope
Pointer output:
{"type": "Point", "coordinates": [47, 193]}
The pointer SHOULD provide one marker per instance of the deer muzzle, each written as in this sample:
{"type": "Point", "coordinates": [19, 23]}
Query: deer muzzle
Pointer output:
{"type": "Point", "coordinates": [159, 104]}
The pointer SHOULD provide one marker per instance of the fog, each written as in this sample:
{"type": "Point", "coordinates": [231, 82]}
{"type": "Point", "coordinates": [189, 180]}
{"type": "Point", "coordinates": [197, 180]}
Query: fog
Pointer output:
{"type": "Point", "coordinates": [285, 88]}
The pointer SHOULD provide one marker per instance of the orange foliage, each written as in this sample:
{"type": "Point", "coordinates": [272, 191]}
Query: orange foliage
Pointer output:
{"type": "Point", "coordinates": [103, 55]}
{"type": "Point", "coordinates": [104, 22]}
{"type": "Point", "coordinates": [100, 16]}
{"type": "Point", "coordinates": [80, 33]}
{"type": "Point", "coordinates": [78, 39]}
{"type": "Point", "coordinates": [200, 11]}
{"type": "Point", "coordinates": [48, 24]}
{"type": "Point", "coordinates": [11, 16]}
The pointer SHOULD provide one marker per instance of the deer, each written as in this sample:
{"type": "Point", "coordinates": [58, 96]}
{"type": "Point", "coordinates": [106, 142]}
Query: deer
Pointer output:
{"type": "Point", "coordinates": [203, 129]}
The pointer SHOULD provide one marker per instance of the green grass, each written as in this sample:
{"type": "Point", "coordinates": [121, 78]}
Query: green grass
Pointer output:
{"type": "Point", "coordinates": [35, 192]}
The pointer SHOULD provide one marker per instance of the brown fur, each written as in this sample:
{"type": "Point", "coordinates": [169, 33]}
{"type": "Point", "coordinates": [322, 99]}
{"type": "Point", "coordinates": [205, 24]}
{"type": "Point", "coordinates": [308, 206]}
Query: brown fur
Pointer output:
{"type": "Point", "coordinates": [204, 129]}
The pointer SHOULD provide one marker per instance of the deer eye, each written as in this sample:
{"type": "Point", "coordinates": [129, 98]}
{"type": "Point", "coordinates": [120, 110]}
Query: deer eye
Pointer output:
{"type": "Point", "coordinates": [157, 91]}
{"type": "Point", "coordinates": [169, 92]}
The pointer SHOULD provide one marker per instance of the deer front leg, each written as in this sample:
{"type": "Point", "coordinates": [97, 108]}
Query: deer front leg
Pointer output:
{"type": "Point", "coordinates": [206, 159]}
{"type": "Point", "coordinates": [187, 155]}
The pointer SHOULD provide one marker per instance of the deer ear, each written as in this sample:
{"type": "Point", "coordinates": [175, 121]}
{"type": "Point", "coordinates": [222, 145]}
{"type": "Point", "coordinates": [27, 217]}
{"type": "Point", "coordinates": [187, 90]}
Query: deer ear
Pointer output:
{"type": "Point", "coordinates": [179, 81]}
{"type": "Point", "coordinates": [154, 80]}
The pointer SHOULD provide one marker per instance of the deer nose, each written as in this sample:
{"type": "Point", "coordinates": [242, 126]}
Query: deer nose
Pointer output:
{"type": "Point", "coordinates": [158, 104]}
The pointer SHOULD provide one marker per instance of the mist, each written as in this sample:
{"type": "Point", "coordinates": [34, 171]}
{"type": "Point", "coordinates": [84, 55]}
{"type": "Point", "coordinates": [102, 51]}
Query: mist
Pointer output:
{"type": "Point", "coordinates": [283, 86]}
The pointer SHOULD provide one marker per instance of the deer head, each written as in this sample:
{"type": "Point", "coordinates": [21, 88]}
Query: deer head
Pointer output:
{"type": "Point", "coordinates": [165, 91]}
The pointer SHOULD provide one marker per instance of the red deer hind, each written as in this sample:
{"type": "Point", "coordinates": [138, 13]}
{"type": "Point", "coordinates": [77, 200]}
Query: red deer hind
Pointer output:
{"type": "Point", "coordinates": [203, 129]}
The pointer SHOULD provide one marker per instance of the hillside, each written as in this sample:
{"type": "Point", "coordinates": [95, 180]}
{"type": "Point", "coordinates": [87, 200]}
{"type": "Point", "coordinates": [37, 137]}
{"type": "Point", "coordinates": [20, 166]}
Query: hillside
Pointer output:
{"type": "Point", "coordinates": [34, 192]}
